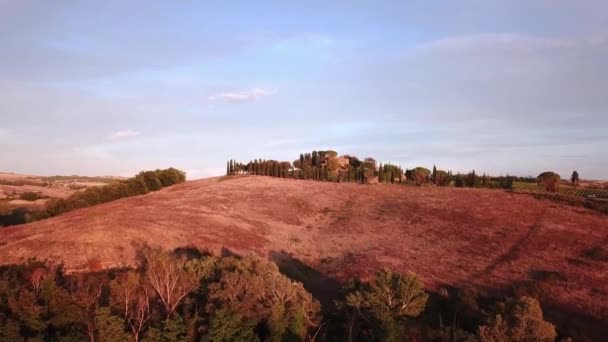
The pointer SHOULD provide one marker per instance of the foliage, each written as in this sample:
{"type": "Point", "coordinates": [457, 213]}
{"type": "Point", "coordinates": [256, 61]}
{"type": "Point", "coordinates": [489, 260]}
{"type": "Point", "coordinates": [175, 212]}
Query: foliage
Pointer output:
{"type": "Point", "coordinates": [574, 178]}
{"type": "Point", "coordinates": [256, 291]}
{"type": "Point", "coordinates": [419, 175]}
{"type": "Point", "coordinates": [30, 196]}
{"type": "Point", "coordinates": [174, 277]}
{"type": "Point", "coordinates": [243, 299]}
{"type": "Point", "coordinates": [110, 327]}
{"type": "Point", "coordinates": [517, 320]}
{"type": "Point", "coordinates": [381, 308]}
{"type": "Point", "coordinates": [229, 326]}
{"type": "Point", "coordinates": [441, 178]}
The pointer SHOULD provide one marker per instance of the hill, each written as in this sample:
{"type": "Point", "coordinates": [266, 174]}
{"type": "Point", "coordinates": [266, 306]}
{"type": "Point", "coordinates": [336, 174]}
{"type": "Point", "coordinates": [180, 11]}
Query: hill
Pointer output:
{"type": "Point", "coordinates": [489, 239]}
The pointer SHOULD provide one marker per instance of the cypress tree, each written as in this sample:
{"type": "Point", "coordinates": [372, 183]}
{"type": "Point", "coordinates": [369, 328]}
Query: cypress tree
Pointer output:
{"type": "Point", "coordinates": [227, 168]}
{"type": "Point", "coordinates": [473, 179]}
{"type": "Point", "coordinates": [434, 173]}
{"type": "Point", "coordinates": [380, 173]}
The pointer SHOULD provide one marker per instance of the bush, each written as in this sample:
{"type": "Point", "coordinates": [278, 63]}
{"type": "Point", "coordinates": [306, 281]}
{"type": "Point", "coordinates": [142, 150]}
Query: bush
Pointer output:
{"type": "Point", "coordinates": [30, 196]}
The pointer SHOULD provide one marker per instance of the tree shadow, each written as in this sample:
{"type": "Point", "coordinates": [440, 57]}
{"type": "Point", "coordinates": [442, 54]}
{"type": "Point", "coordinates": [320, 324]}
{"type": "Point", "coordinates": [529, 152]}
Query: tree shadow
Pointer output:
{"type": "Point", "coordinates": [323, 288]}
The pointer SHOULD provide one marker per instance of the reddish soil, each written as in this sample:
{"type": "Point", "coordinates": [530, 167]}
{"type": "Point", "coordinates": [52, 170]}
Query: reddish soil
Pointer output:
{"type": "Point", "coordinates": [449, 237]}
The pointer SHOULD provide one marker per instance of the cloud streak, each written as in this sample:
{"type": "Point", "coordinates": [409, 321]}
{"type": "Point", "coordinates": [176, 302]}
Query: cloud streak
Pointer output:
{"type": "Point", "coordinates": [250, 95]}
{"type": "Point", "coordinates": [127, 133]}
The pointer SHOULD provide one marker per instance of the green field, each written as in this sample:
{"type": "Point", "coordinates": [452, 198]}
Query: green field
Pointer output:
{"type": "Point", "coordinates": [563, 190]}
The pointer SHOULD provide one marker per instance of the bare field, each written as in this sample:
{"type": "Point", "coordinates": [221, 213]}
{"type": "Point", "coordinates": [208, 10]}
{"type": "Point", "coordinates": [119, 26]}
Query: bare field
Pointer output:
{"type": "Point", "coordinates": [43, 190]}
{"type": "Point", "coordinates": [490, 239]}
{"type": "Point", "coordinates": [53, 187]}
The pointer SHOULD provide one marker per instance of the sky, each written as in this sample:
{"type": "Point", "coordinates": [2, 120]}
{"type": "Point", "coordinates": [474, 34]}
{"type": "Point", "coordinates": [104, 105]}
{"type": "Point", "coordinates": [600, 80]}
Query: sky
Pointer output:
{"type": "Point", "coordinates": [115, 87]}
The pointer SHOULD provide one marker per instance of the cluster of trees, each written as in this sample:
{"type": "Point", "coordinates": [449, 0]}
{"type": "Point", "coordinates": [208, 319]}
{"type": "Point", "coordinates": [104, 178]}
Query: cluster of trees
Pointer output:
{"type": "Point", "coordinates": [390, 173]}
{"type": "Point", "coordinates": [327, 166]}
{"type": "Point", "coordinates": [187, 295]}
{"type": "Point", "coordinates": [317, 165]}
{"type": "Point", "coordinates": [174, 296]}
{"type": "Point", "coordinates": [260, 167]}
{"type": "Point", "coordinates": [142, 183]}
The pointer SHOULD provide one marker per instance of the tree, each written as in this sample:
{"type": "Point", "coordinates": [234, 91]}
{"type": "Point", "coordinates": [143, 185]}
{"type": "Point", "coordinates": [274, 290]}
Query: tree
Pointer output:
{"type": "Point", "coordinates": [517, 320]}
{"type": "Point", "coordinates": [550, 180]}
{"type": "Point", "coordinates": [574, 178]}
{"type": "Point", "coordinates": [85, 291]}
{"type": "Point", "coordinates": [369, 163]}
{"type": "Point", "coordinates": [434, 174]}
{"type": "Point", "coordinates": [385, 304]}
{"type": "Point", "coordinates": [227, 326]}
{"type": "Point", "coordinates": [151, 180]}
{"type": "Point", "coordinates": [173, 277]}
{"type": "Point", "coordinates": [259, 294]}
{"type": "Point", "coordinates": [131, 295]}
{"type": "Point", "coordinates": [110, 328]}
{"type": "Point", "coordinates": [442, 178]}
{"type": "Point", "coordinates": [420, 175]}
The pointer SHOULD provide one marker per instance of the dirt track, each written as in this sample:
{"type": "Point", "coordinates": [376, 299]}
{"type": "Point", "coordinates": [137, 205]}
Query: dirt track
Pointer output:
{"type": "Point", "coordinates": [448, 236]}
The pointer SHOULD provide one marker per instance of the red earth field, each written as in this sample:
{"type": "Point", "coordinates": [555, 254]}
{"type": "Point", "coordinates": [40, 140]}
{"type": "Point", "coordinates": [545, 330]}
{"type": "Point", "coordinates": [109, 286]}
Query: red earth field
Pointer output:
{"type": "Point", "coordinates": [489, 239]}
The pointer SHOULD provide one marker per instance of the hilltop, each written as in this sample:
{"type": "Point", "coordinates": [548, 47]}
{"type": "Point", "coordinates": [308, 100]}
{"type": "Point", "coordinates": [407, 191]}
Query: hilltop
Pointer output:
{"type": "Point", "coordinates": [490, 239]}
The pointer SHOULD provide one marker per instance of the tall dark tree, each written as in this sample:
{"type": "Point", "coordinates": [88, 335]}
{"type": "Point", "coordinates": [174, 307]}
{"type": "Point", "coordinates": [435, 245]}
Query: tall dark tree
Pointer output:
{"type": "Point", "coordinates": [574, 178]}
{"type": "Point", "coordinates": [473, 179]}
{"type": "Point", "coordinates": [434, 173]}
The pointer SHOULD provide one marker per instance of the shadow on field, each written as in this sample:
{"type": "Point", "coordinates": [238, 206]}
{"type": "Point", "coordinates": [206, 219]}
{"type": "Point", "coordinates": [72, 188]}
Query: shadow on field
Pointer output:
{"type": "Point", "coordinates": [320, 286]}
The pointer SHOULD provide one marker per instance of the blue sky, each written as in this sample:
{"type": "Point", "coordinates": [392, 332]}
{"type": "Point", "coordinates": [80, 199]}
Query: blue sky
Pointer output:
{"type": "Point", "coordinates": [114, 87]}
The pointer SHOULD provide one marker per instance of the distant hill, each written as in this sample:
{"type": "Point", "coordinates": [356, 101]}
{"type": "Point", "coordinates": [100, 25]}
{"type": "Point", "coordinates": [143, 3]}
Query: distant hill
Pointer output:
{"type": "Point", "coordinates": [490, 239]}
{"type": "Point", "coordinates": [13, 186]}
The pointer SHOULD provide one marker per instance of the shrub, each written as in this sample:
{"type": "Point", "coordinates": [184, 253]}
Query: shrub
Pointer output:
{"type": "Point", "coordinates": [29, 196]}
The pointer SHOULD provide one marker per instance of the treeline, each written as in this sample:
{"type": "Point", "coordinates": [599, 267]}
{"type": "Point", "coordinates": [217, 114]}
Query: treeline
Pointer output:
{"type": "Point", "coordinates": [142, 183]}
{"type": "Point", "coordinates": [327, 166]}
{"type": "Point", "coordinates": [317, 165]}
{"type": "Point", "coordinates": [186, 295]}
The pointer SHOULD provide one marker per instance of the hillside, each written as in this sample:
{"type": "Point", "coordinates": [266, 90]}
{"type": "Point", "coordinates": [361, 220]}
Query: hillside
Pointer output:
{"type": "Point", "coordinates": [490, 239]}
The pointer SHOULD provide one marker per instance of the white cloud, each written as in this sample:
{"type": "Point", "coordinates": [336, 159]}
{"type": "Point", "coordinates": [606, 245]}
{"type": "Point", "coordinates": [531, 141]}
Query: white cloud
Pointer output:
{"type": "Point", "coordinates": [125, 134]}
{"type": "Point", "coordinates": [242, 96]}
